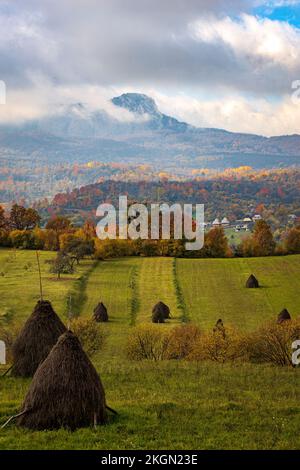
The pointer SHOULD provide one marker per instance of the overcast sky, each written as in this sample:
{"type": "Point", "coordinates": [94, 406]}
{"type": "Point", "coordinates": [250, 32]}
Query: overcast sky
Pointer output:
{"type": "Point", "coordinates": [213, 63]}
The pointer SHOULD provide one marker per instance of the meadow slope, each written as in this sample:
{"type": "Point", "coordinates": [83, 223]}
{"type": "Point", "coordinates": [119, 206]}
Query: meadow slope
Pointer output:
{"type": "Point", "coordinates": [165, 405]}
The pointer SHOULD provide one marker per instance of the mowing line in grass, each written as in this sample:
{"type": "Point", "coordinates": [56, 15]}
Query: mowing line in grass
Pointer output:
{"type": "Point", "coordinates": [179, 294]}
{"type": "Point", "coordinates": [135, 300]}
{"type": "Point", "coordinates": [110, 283]}
{"type": "Point", "coordinates": [77, 296]}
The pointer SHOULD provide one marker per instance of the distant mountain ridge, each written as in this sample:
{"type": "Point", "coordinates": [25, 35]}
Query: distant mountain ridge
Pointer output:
{"type": "Point", "coordinates": [76, 133]}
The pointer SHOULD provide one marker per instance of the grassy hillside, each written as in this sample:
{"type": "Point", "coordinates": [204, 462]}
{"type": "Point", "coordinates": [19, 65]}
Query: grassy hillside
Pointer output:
{"type": "Point", "coordinates": [156, 283]}
{"type": "Point", "coordinates": [166, 405]}
{"type": "Point", "coordinates": [113, 283]}
{"type": "Point", "coordinates": [19, 283]}
{"type": "Point", "coordinates": [177, 405]}
{"type": "Point", "coordinates": [215, 288]}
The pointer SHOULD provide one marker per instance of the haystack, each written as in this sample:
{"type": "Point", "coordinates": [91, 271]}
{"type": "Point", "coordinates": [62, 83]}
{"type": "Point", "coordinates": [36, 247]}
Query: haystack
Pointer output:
{"type": "Point", "coordinates": [283, 316]}
{"type": "Point", "coordinates": [161, 309]}
{"type": "Point", "coordinates": [100, 313]}
{"type": "Point", "coordinates": [66, 390]}
{"type": "Point", "coordinates": [219, 327]}
{"type": "Point", "coordinates": [36, 339]}
{"type": "Point", "coordinates": [252, 282]}
{"type": "Point", "coordinates": [158, 316]}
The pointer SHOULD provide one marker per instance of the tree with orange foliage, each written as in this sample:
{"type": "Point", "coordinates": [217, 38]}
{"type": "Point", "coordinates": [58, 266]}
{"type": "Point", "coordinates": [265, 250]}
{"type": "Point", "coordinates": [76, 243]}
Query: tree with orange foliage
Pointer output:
{"type": "Point", "coordinates": [292, 242]}
{"type": "Point", "coordinates": [22, 218]}
{"type": "Point", "coordinates": [262, 239]}
{"type": "Point", "coordinates": [216, 243]}
{"type": "Point", "coordinates": [3, 221]}
{"type": "Point", "coordinates": [59, 224]}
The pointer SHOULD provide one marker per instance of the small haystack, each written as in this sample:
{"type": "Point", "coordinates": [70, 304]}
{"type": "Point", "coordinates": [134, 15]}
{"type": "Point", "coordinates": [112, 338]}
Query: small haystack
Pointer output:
{"type": "Point", "coordinates": [252, 282]}
{"type": "Point", "coordinates": [158, 316]}
{"type": "Point", "coordinates": [66, 390]}
{"type": "Point", "coordinates": [219, 328]}
{"type": "Point", "coordinates": [161, 309]}
{"type": "Point", "coordinates": [36, 339]}
{"type": "Point", "coordinates": [283, 316]}
{"type": "Point", "coordinates": [100, 313]}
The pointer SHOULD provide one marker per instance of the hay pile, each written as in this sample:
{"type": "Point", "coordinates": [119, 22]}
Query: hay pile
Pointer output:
{"type": "Point", "coordinates": [66, 390]}
{"type": "Point", "coordinates": [219, 328]}
{"type": "Point", "coordinates": [283, 316]}
{"type": "Point", "coordinates": [100, 313]}
{"type": "Point", "coordinates": [160, 312]}
{"type": "Point", "coordinates": [252, 282]}
{"type": "Point", "coordinates": [36, 339]}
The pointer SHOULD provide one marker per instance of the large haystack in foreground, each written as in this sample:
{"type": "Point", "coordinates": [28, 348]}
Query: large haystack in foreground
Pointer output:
{"type": "Point", "coordinates": [283, 316]}
{"type": "Point", "coordinates": [100, 313]}
{"type": "Point", "coordinates": [161, 310]}
{"type": "Point", "coordinates": [252, 282]}
{"type": "Point", "coordinates": [36, 339]}
{"type": "Point", "coordinates": [66, 390]}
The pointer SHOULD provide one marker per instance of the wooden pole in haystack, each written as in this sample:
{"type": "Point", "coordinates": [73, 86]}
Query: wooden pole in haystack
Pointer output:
{"type": "Point", "coordinates": [69, 312]}
{"type": "Point", "coordinates": [40, 276]}
{"type": "Point", "coordinates": [13, 417]}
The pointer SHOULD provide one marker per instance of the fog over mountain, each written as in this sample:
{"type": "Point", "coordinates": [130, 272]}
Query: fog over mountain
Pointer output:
{"type": "Point", "coordinates": [136, 131]}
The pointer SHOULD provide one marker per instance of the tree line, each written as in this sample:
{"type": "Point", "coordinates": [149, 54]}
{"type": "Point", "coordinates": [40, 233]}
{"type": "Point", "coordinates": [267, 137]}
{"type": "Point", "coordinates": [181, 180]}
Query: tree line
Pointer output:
{"type": "Point", "coordinates": [21, 229]}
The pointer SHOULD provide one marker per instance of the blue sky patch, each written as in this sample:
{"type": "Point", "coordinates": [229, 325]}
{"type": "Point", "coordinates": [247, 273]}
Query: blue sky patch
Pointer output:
{"type": "Point", "coordinates": [288, 13]}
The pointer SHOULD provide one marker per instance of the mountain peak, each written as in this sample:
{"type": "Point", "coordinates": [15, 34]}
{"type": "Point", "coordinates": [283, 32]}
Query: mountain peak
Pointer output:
{"type": "Point", "coordinates": [136, 103]}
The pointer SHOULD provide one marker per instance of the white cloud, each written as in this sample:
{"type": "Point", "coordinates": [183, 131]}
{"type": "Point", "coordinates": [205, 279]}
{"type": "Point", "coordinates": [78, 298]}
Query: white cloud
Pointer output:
{"type": "Point", "coordinates": [258, 40]}
{"type": "Point", "coordinates": [44, 100]}
{"type": "Point", "coordinates": [61, 52]}
{"type": "Point", "coordinates": [231, 112]}
{"type": "Point", "coordinates": [235, 113]}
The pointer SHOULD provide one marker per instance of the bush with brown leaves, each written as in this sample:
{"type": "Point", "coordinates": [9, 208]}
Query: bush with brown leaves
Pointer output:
{"type": "Point", "coordinates": [272, 343]}
{"type": "Point", "coordinates": [219, 346]}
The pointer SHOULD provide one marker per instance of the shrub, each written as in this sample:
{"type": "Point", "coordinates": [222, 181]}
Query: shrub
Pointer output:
{"type": "Point", "coordinates": [23, 239]}
{"type": "Point", "coordinates": [90, 334]}
{"type": "Point", "coordinates": [4, 238]}
{"type": "Point", "coordinates": [272, 343]}
{"type": "Point", "coordinates": [105, 249]}
{"type": "Point", "coordinates": [147, 342]}
{"type": "Point", "coordinates": [219, 347]}
{"type": "Point", "coordinates": [182, 340]}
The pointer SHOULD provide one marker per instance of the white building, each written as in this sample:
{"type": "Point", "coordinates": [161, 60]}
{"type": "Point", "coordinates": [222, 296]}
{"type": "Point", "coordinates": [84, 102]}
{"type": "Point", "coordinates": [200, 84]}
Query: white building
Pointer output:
{"type": "Point", "coordinates": [216, 222]}
{"type": "Point", "coordinates": [225, 221]}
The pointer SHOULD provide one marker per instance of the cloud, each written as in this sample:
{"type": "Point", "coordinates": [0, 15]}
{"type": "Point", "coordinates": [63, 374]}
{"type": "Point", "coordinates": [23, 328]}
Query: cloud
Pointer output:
{"type": "Point", "coordinates": [236, 113]}
{"type": "Point", "coordinates": [232, 112]}
{"type": "Point", "coordinates": [44, 99]}
{"type": "Point", "coordinates": [239, 66]}
{"type": "Point", "coordinates": [260, 41]}
{"type": "Point", "coordinates": [108, 42]}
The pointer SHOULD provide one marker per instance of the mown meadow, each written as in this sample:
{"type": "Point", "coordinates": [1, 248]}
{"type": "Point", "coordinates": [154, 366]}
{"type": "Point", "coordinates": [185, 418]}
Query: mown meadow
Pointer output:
{"type": "Point", "coordinates": [164, 404]}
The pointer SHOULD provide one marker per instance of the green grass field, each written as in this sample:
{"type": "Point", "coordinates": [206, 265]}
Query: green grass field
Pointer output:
{"type": "Point", "coordinates": [215, 288]}
{"type": "Point", "coordinates": [19, 283]}
{"type": "Point", "coordinates": [165, 405]}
